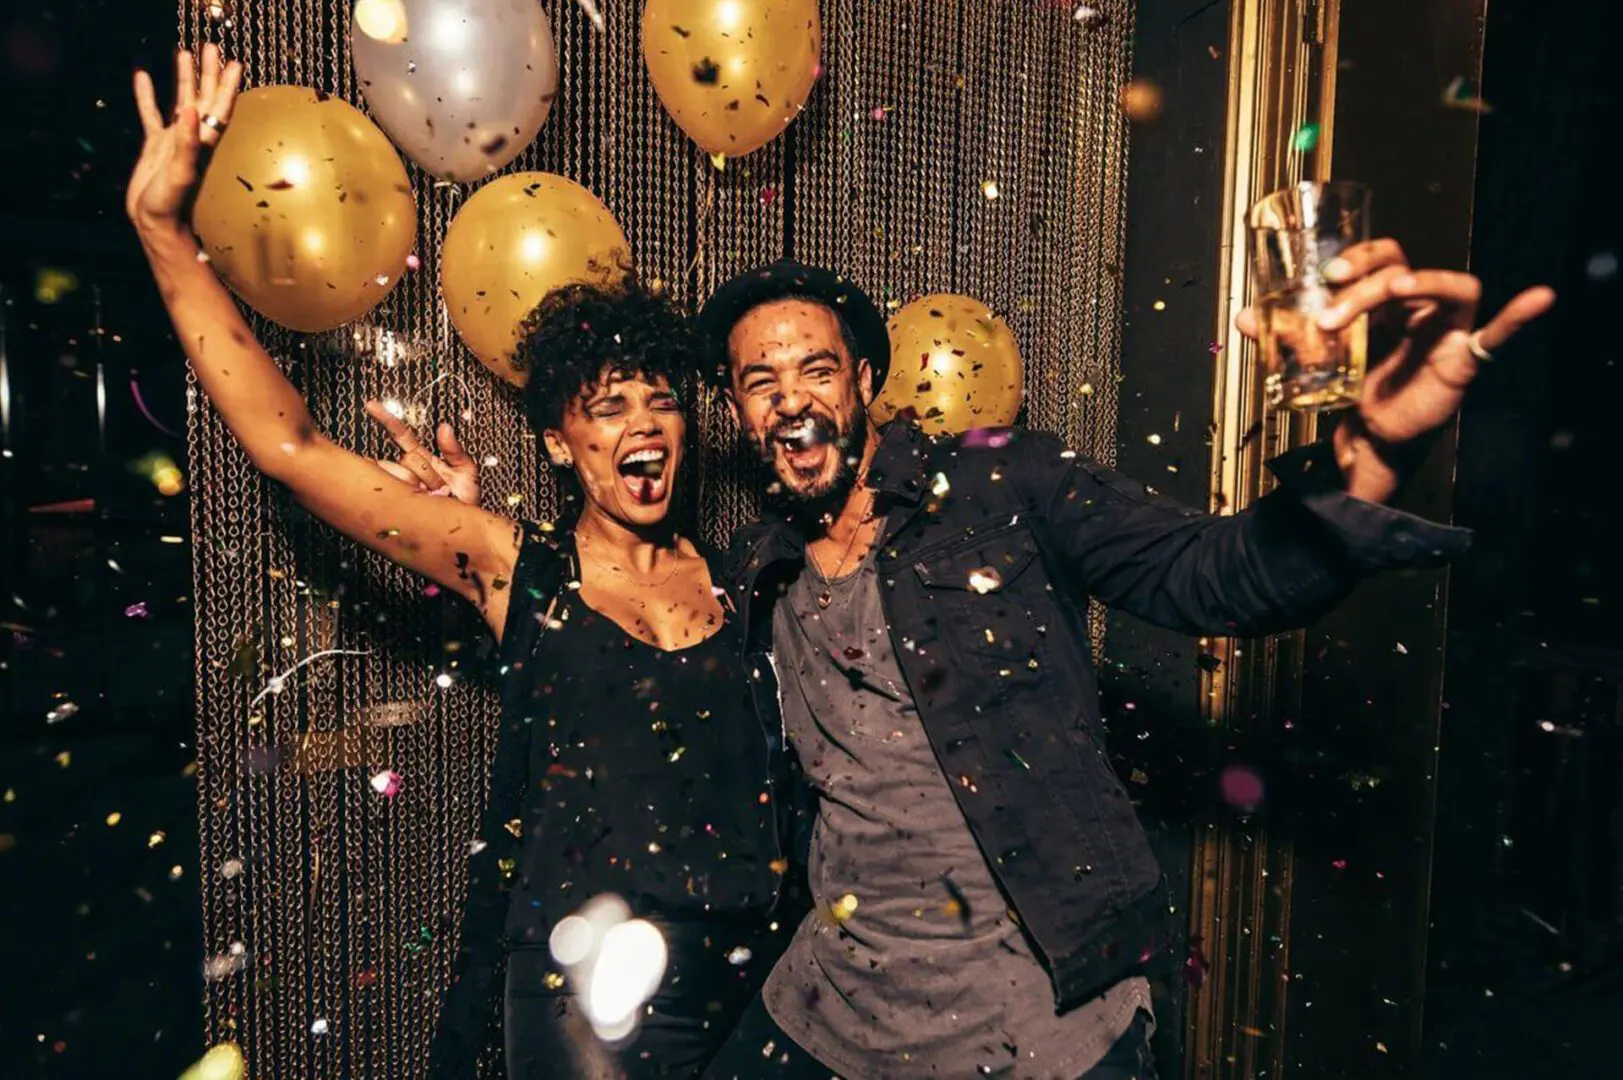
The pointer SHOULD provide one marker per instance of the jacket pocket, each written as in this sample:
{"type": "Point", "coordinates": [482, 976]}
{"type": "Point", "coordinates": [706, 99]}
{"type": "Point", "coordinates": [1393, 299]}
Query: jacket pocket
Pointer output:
{"type": "Point", "coordinates": [983, 562]}
{"type": "Point", "coordinates": [987, 591]}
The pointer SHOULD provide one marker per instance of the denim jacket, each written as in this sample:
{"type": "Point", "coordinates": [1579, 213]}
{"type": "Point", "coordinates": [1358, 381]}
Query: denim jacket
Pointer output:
{"type": "Point", "coordinates": [989, 551]}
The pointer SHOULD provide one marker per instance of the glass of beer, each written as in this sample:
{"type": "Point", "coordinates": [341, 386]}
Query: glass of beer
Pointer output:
{"type": "Point", "coordinates": [1295, 232]}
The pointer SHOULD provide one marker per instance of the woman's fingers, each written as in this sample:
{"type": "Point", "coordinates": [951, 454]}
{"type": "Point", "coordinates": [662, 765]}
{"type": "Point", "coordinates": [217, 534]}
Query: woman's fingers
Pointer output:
{"type": "Point", "coordinates": [208, 78]}
{"type": "Point", "coordinates": [225, 94]}
{"type": "Point", "coordinates": [398, 431]}
{"type": "Point", "coordinates": [451, 448]}
{"type": "Point", "coordinates": [1523, 309]}
{"type": "Point", "coordinates": [399, 472]}
{"type": "Point", "coordinates": [185, 81]}
{"type": "Point", "coordinates": [146, 105]}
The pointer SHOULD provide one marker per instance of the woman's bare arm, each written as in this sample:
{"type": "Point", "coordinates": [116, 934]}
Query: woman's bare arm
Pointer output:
{"type": "Point", "coordinates": [462, 547]}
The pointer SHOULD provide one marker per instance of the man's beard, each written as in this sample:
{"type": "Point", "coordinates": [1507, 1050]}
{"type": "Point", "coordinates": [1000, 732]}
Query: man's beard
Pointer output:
{"type": "Point", "coordinates": [810, 511]}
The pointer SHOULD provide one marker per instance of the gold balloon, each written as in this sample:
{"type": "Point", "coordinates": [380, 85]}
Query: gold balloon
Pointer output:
{"type": "Point", "coordinates": [518, 238]}
{"type": "Point", "coordinates": [954, 364]}
{"type": "Point", "coordinates": [305, 209]}
{"type": "Point", "coordinates": [732, 73]}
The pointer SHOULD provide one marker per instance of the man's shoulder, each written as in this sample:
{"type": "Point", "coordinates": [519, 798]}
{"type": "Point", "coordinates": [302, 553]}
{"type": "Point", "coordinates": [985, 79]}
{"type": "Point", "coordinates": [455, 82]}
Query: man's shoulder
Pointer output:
{"type": "Point", "coordinates": [997, 454]}
{"type": "Point", "coordinates": [745, 540]}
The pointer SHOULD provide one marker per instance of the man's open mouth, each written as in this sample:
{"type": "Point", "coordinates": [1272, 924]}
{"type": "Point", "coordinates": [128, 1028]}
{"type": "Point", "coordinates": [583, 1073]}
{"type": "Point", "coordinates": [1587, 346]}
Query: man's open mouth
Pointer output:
{"type": "Point", "coordinates": [805, 442]}
{"type": "Point", "coordinates": [643, 474]}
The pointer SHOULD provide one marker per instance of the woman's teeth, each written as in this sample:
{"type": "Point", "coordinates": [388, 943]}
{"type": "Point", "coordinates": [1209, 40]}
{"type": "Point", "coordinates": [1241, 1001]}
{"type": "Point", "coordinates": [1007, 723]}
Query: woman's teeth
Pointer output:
{"type": "Point", "coordinates": [647, 463]}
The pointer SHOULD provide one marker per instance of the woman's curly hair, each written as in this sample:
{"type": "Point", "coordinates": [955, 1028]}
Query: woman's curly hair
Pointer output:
{"type": "Point", "coordinates": [579, 333]}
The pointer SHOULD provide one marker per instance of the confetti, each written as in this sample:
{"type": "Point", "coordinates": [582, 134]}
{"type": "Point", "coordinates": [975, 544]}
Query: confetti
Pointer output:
{"type": "Point", "coordinates": [137, 610]}
{"type": "Point", "coordinates": [227, 963]}
{"type": "Point", "coordinates": [318, 1027]}
{"type": "Point", "coordinates": [222, 1062]}
{"type": "Point", "coordinates": [61, 712]}
{"type": "Point", "coordinates": [114, 818]}
{"type": "Point", "coordinates": [140, 403]}
{"type": "Point", "coordinates": [844, 907]}
{"type": "Point", "coordinates": [1306, 138]}
{"type": "Point", "coordinates": [386, 783]}
{"type": "Point", "coordinates": [155, 839]}
{"type": "Point", "coordinates": [592, 13]}
{"type": "Point", "coordinates": [984, 580]}
{"type": "Point", "coordinates": [413, 263]}
{"type": "Point", "coordinates": [1241, 787]}
{"type": "Point", "coordinates": [52, 285]}
{"type": "Point", "coordinates": [1088, 16]}
{"type": "Point", "coordinates": [162, 471]}
{"type": "Point", "coordinates": [1141, 101]}
{"type": "Point", "coordinates": [1464, 93]}
{"type": "Point", "coordinates": [989, 189]}
{"type": "Point", "coordinates": [230, 869]}
{"type": "Point", "coordinates": [739, 955]}
{"type": "Point", "coordinates": [1601, 266]}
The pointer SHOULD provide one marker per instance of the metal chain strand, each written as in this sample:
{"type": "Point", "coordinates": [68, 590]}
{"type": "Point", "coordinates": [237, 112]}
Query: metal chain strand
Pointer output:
{"type": "Point", "coordinates": [331, 911]}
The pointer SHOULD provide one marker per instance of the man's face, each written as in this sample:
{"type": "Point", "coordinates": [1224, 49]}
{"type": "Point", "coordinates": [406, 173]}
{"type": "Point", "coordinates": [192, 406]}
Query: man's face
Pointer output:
{"type": "Point", "coordinates": [800, 398]}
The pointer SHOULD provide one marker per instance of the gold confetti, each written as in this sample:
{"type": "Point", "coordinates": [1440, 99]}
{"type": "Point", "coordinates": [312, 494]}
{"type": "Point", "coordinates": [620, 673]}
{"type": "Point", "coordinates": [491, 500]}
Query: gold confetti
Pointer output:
{"type": "Point", "coordinates": [155, 839]}
{"type": "Point", "coordinates": [989, 189]}
{"type": "Point", "coordinates": [845, 907]}
{"type": "Point", "coordinates": [114, 818]}
{"type": "Point", "coordinates": [983, 580]}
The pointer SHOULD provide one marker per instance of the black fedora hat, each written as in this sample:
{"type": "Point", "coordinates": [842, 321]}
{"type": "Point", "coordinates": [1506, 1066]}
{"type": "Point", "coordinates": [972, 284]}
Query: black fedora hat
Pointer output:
{"type": "Point", "coordinates": [788, 278]}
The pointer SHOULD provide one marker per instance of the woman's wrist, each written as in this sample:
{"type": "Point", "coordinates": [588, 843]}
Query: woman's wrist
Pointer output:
{"type": "Point", "coordinates": [165, 236]}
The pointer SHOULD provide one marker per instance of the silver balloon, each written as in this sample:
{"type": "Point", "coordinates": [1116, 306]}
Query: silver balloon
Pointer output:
{"type": "Point", "coordinates": [461, 86]}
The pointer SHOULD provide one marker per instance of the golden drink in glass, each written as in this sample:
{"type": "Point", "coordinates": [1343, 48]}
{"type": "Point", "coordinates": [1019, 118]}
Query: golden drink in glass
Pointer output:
{"type": "Point", "coordinates": [1295, 233]}
{"type": "Point", "coordinates": [1309, 368]}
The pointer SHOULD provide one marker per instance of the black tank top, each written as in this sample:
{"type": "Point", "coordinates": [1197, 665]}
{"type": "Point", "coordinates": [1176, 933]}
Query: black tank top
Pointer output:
{"type": "Point", "coordinates": [648, 778]}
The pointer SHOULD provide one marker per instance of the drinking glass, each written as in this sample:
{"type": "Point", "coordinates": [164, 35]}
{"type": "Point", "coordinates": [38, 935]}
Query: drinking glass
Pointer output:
{"type": "Point", "coordinates": [1295, 232]}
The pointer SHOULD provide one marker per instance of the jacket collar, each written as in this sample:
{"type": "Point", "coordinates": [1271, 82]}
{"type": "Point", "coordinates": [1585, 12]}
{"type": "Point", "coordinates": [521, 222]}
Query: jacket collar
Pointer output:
{"type": "Point", "coordinates": [897, 469]}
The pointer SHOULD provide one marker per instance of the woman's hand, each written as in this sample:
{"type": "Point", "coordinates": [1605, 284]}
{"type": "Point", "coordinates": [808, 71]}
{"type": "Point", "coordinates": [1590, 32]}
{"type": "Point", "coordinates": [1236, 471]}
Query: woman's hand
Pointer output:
{"type": "Point", "coordinates": [168, 170]}
{"type": "Point", "coordinates": [453, 473]}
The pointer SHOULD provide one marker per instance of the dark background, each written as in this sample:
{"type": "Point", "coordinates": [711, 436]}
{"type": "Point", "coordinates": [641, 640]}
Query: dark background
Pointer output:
{"type": "Point", "coordinates": [99, 931]}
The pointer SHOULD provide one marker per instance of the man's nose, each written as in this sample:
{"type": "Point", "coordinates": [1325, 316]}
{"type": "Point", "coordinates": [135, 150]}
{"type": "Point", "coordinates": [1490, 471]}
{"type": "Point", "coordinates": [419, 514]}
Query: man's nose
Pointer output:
{"type": "Point", "coordinates": [790, 401]}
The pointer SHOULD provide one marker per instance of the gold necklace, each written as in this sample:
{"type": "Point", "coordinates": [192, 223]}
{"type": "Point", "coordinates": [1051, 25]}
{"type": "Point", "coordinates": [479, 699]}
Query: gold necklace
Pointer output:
{"type": "Point", "coordinates": [826, 597]}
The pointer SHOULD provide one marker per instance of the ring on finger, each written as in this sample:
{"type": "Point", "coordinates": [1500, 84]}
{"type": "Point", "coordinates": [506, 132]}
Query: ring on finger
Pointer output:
{"type": "Point", "coordinates": [213, 123]}
{"type": "Point", "coordinates": [1474, 343]}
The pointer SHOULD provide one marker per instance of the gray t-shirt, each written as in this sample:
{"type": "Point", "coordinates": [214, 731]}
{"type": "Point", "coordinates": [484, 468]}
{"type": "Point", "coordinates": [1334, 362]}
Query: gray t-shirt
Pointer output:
{"type": "Point", "coordinates": [910, 965]}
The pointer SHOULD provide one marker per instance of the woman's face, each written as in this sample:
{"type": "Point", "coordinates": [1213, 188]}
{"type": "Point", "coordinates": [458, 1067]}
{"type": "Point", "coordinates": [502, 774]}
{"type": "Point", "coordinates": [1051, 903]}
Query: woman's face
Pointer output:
{"type": "Point", "coordinates": [624, 439]}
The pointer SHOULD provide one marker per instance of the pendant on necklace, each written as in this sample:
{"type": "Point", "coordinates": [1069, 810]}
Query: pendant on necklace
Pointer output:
{"type": "Point", "coordinates": [824, 599]}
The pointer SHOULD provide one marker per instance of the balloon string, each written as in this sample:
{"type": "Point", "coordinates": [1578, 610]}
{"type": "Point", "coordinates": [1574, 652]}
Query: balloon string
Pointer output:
{"type": "Point", "coordinates": [140, 403]}
{"type": "Point", "coordinates": [278, 683]}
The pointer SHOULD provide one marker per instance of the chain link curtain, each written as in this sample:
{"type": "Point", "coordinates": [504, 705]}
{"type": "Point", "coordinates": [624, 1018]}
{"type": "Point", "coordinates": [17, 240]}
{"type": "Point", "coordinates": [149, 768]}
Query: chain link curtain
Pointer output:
{"type": "Point", "coordinates": [329, 910]}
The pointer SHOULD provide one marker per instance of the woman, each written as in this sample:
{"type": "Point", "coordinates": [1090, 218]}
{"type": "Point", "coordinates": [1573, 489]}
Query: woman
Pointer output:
{"type": "Point", "coordinates": [629, 747]}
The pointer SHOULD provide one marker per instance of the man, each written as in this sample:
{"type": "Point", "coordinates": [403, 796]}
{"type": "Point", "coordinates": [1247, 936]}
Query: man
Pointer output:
{"type": "Point", "coordinates": [985, 898]}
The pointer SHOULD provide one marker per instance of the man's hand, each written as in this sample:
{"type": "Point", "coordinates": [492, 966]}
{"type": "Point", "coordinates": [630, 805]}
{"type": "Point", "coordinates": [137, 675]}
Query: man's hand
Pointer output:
{"type": "Point", "coordinates": [453, 473]}
{"type": "Point", "coordinates": [169, 167]}
{"type": "Point", "coordinates": [1417, 386]}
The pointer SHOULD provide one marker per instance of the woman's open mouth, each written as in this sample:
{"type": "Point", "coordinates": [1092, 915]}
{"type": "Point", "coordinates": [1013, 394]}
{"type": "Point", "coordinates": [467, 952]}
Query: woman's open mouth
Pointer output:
{"type": "Point", "coordinates": [643, 474]}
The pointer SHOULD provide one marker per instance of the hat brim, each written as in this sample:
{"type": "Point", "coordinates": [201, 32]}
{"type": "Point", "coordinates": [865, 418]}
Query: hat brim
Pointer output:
{"type": "Point", "coordinates": [784, 279]}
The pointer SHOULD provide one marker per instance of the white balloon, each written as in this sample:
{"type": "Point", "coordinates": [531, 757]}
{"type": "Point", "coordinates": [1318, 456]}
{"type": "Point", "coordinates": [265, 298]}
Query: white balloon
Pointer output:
{"type": "Point", "coordinates": [461, 86]}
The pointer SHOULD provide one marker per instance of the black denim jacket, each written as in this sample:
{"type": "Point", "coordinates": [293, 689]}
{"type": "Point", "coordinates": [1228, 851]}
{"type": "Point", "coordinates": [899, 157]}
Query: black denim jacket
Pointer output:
{"type": "Point", "coordinates": [986, 560]}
